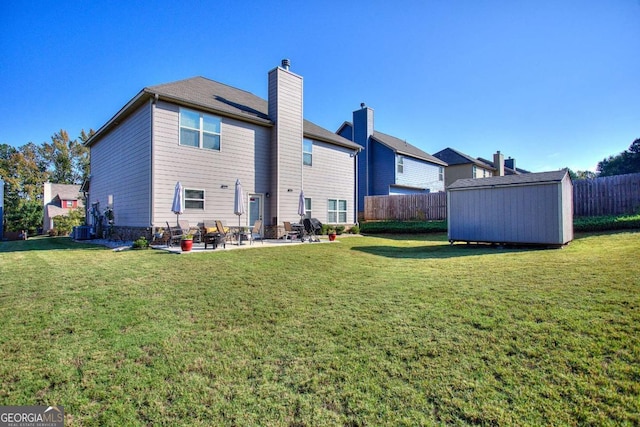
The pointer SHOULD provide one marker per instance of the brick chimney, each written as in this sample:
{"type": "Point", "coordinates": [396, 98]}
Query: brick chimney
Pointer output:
{"type": "Point", "coordinates": [498, 163]}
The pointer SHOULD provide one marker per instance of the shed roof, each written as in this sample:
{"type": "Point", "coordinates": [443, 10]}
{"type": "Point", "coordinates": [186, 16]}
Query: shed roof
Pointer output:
{"type": "Point", "coordinates": [497, 181]}
{"type": "Point", "coordinates": [218, 98]}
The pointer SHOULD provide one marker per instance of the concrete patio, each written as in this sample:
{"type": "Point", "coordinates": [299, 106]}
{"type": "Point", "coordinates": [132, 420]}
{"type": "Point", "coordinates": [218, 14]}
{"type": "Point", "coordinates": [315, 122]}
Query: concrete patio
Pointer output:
{"type": "Point", "coordinates": [231, 246]}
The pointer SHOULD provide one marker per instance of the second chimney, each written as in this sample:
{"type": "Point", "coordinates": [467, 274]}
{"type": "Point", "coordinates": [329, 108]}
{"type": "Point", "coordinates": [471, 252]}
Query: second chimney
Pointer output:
{"type": "Point", "coordinates": [498, 163]}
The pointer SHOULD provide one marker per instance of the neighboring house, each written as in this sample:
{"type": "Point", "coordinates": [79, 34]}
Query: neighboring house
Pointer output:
{"type": "Point", "coordinates": [389, 165]}
{"type": "Point", "coordinates": [59, 199]}
{"type": "Point", "coordinates": [463, 166]}
{"type": "Point", "coordinates": [206, 135]}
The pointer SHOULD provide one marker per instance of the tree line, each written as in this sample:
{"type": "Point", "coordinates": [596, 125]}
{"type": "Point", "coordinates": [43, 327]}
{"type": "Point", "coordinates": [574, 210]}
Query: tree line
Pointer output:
{"type": "Point", "coordinates": [25, 169]}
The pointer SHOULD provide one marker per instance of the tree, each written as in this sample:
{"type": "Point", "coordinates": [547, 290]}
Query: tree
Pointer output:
{"type": "Point", "coordinates": [68, 160]}
{"type": "Point", "coordinates": [582, 175]}
{"type": "Point", "coordinates": [24, 172]}
{"type": "Point", "coordinates": [626, 162]}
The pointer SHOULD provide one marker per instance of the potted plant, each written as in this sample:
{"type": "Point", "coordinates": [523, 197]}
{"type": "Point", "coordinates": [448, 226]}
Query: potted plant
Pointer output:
{"type": "Point", "coordinates": [186, 244]}
{"type": "Point", "coordinates": [331, 232]}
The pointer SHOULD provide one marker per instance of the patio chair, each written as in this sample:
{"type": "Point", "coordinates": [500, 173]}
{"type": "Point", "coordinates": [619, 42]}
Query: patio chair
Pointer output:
{"type": "Point", "coordinates": [290, 232]}
{"type": "Point", "coordinates": [175, 234]}
{"type": "Point", "coordinates": [256, 232]}
{"type": "Point", "coordinates": [194, 231]}
{"type": "Point", "coordinates": [225, 232]}
{"type": "Point", "coordinates": [211, 236]}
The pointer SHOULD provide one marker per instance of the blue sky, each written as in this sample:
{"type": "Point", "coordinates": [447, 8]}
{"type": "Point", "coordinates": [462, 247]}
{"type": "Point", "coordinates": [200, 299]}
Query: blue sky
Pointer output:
{"type": "Point", "coordinates": [551, 83]}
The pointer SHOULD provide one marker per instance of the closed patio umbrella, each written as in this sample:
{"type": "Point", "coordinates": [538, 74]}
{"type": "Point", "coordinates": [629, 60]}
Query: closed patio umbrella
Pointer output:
{"type": "Point", "coordinates": [301, 208]}
{"type": "Point", "coordinates": [238, 203]}
{"type": "Point", "coordinates": [178, 201]}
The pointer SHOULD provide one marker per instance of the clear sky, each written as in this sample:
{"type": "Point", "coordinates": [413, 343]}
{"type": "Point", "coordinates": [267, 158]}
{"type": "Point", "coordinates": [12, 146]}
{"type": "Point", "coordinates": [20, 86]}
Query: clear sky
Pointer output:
{"type": "Point", "coordinates": [551, 83]}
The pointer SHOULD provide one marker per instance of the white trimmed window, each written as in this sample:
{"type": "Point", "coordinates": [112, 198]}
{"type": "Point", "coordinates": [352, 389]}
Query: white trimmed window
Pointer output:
{"type": "Point", "coordinates": [400, 164]}
{"type": "Point", "coordinates": [307, 207]}
{"type": "Point", "coordinates": [336, 211]}
{"type": "Point", "coordinates": [307, 152]}
{"type": "Point", "coordinates": [199, 130]}
{"type": "Point", "coordinates": [193, 199]}
{"type": "Point", "coordinates": [440, 173]}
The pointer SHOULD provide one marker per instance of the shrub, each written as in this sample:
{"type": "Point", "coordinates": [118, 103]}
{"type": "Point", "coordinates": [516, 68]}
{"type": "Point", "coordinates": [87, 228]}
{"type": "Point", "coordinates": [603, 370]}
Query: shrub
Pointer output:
{"type": "Point", "coordinates": [340, 229]}
{"type": "Point", "coordinates": [141, 243]}
{"type": "Point", "coordinates": [609, 222]}
{"type": "Point", "coordinates": [355, 229]}
{"type": "Point", "coordinates": [64, 223]}
{"type": "Point", "coordinates": [403, 227]}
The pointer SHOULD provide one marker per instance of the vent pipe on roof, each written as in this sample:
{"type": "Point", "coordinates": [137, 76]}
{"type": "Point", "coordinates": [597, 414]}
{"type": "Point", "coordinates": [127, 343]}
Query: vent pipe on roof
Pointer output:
{"type": "Point", "coordinates": [286, 64]}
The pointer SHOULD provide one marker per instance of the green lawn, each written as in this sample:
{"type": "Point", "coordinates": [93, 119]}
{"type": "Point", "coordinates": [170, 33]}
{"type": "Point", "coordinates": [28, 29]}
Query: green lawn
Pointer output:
{"type": "Point", "coordinates": [368, 331]}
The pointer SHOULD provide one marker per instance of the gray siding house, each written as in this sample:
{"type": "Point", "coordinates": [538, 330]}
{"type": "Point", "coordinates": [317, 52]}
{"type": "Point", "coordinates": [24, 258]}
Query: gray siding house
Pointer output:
{"type": "Point", "coordinates": [534, 208]}
{"type": "Point", "coordinates": [206, 135]}
{"type": "Point", "coordinates": [389, 165]}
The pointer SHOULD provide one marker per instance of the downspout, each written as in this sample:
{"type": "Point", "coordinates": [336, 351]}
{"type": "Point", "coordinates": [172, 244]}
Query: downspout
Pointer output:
{"type": "Point", "coordinates": [355, 164]}
{"type": "Point", "coordinates": [152, 104]}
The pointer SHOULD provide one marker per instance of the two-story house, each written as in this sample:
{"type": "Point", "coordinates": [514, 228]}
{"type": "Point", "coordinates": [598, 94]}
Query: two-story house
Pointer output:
{"type": "Point", "coordinates": [388, 165]}
{"type": "Point", "coordinates": [58, 200]}
{"type": "Point", "coordinates": [206, 135]}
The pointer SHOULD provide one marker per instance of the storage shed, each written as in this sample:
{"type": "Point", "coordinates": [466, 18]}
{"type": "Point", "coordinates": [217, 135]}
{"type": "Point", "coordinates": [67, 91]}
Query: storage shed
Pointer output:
{"type": "Point", "coordinates": [533, 208]}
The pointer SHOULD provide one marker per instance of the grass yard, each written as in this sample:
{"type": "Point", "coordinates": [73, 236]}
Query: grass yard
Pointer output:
{"type": "Point", "coordinates": [369, 331]}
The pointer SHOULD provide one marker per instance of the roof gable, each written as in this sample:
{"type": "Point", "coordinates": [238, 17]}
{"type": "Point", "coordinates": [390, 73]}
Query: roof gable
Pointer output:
{"type": "Point", "coordinates": [65, 191]}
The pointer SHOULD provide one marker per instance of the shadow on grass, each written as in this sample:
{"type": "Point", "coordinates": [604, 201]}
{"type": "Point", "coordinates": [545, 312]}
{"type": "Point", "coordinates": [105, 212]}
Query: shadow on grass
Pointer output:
{"type": "Point", "coordinates": [439, 247]}
{"type": "Point", "coordinates": [45, 243]}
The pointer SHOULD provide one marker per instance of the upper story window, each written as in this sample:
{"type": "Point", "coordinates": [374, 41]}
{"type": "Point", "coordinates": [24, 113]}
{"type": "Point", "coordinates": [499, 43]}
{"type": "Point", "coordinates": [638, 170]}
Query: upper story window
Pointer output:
{"type": "Point", "coordinates": [193, 199]}
{"type": "Point", "coordinates": [199, 130]}
{"type": "Point", "coordinates": [336, 211]}
{"type": "Point", "coordinates": [307, 152]}
{"type": "Point", "coordinates": [440, 173]}
{"type": "Point", "coordinates": [400, 164]}
{"type": "Point", "coordinates": [474, 172]}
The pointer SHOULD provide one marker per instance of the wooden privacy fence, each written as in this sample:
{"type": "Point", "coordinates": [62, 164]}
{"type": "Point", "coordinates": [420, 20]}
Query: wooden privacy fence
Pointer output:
{"type": "Point", "coordinates": [608, 195]}
{"type": "Point", "coordinates": [421, 207]}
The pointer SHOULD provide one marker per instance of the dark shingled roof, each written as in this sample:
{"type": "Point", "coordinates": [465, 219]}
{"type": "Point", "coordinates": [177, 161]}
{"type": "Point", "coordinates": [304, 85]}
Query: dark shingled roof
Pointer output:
{"type": "Point", "coordinates": [399, 146]}
{"type": "Point", "coordinates": [203, 92]}
{"type": "Point", "coordinates": [403, 147]}
{"type": "Point", "coordinates": [222, 99]}
{"type": "Point", "coordinates": [455, 157]}
{"type": "Point", "coordinates": [497, 181]}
